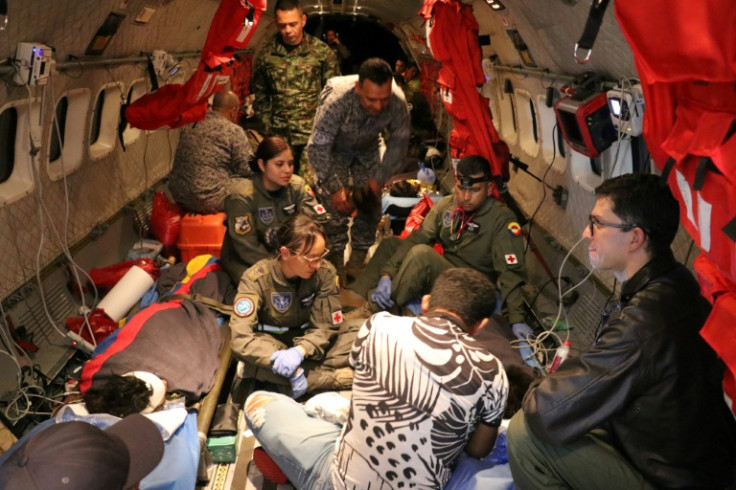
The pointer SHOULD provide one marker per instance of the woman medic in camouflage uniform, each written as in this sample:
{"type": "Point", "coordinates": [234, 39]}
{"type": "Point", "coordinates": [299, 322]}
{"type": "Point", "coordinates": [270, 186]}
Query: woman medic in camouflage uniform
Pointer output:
{"type": "Point", "coordinates": [287, 324]}
{"type": "Point", "coordinates": [261, 204]}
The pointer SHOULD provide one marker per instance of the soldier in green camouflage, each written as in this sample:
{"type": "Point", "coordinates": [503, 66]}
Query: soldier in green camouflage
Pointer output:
{"type": "Point", "coordinates": [288, 77]}
{"type": "Point", "coordinates": [259, 205]}
{"type": "Point", "coordinates": [475, 231]}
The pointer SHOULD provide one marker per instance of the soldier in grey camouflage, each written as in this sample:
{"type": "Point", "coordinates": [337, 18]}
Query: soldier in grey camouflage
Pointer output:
{"type": "Point", "coordinates": [259, 205]}
{"type": "Point", "coordinates": [288, 76]}
{"type": "Point", "coordinates": [212, 158]}
{"type": "Point", "coordinates": [344, 153]}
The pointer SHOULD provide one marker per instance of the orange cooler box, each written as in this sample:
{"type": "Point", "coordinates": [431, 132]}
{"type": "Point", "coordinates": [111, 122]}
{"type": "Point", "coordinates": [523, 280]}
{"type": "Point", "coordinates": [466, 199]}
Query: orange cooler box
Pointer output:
{"type": "Point", "coordinates": [201, 234]}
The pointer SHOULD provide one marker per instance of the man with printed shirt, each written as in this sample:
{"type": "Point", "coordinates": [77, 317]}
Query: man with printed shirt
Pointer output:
{"type": "Point", "coordinates": [474, 229]}
{"type": "Point", "coordinates": [288, 76]}
{"type": "Point", "coordinates": [254, 214]}
{"type": "Point", "coordinates": [272, 313]}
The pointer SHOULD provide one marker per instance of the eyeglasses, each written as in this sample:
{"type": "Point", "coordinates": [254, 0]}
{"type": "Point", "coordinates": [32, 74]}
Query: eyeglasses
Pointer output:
{"type": "Point", "coordinates": [593, 222]}
{"type": "Point", "coordinates": [313, 260]}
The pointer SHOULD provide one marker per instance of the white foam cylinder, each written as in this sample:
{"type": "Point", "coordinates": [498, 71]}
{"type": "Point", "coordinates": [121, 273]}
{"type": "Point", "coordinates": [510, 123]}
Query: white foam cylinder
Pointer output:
{"type": "Point", "coordinates": [126, 293]}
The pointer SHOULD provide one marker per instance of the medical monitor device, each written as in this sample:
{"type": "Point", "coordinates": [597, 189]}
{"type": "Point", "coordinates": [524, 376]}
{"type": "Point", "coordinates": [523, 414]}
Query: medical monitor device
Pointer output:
{"type": "Point", "coordinates": [626, 104]}
{"type": "Point", "coordinates": [585, 120]}
{"type": "Point", "coordinates": [33, 61]}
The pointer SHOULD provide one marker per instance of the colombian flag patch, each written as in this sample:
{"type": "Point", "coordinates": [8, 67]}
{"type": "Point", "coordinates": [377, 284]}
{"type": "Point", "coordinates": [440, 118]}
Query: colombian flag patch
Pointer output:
{"type": "Point", "coordinates": [514, 228]}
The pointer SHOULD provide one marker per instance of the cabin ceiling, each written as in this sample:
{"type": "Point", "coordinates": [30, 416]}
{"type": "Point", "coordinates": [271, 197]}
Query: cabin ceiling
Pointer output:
{"type": "Point", "coordinates": [181, 25]}
{"type": "Point", "coordinates": [389, 11]}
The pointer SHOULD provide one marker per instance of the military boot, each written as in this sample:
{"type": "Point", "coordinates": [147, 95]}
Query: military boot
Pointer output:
{"type": "Point", "coordinates": [356, 263]}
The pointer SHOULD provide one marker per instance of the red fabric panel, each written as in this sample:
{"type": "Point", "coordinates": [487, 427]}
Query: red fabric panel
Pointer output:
{"type": "Point", "coordinates": [453, 39]}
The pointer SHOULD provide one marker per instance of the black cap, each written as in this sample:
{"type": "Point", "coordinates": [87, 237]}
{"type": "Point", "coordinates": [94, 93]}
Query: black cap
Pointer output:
{"type": "Point", "coordinates": [78, 455]}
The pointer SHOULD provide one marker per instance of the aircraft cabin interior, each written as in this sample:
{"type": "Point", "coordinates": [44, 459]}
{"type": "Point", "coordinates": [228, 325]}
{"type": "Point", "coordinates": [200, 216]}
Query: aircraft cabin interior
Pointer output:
{"type": "Point", "coordinates": [100, 101]}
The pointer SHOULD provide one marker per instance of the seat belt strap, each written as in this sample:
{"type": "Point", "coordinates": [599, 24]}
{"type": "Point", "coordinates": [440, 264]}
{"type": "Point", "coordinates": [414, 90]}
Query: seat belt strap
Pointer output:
{"type": "Point", "coordinates": [584, 46]}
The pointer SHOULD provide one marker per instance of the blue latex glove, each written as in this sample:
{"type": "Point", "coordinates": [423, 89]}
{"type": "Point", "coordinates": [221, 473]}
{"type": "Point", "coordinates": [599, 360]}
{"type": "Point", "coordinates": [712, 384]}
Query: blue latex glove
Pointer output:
{"type": "Point", "coordinates": [382, 294]}
{"type": "Point", "coordinates": [415, 306]}
{"type": "Point", "coordinates": [298, 384]}
{"type": "Point", "coordinates": [285, 362]}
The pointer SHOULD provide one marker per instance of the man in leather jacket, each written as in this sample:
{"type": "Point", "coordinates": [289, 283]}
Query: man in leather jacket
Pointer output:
{"type": "Point", "coordinates": [644, 407]}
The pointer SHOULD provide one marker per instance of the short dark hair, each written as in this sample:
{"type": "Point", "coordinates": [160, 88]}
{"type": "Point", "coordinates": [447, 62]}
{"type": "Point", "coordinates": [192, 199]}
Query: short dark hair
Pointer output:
{"type": "Point", "coordinates": [643, 200]}
{"type": "Point", "coordinates": [286, 5]}
{"type": "Point", "coordinates": [474, 164]}
{"type": "Point", "coordinates": [120, 396]}
{"type": "Point", "coordinates": [376, 70]}
{"type": "Point", "coordinates": [298, 233]}
{"type": "Point", "coordinates": [268, 148]}
{"type": "Point", "coordinates": [465, 292]}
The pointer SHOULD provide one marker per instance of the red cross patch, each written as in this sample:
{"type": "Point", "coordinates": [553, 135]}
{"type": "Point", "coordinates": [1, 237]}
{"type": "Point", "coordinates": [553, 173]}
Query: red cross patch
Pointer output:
{"type": "Point", "coordinates": [511, 259]}
{"type": "Point", "coordinates": [320, 209]}
{"type": "Point", "coordinates": [337, 317]}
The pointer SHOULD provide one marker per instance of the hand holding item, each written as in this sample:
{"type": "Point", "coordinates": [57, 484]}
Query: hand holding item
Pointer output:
{"type": "Point", "coordinates": [285, 362]}
{"type": "Point", "coordinates": [382, 294]}
{"type": "Point", "coordinates": [341, 202]}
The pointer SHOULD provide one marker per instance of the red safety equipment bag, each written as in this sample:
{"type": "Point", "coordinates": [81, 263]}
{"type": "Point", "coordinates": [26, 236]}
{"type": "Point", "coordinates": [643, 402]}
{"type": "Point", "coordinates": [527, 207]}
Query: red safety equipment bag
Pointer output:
{"type": "Point", "coordinates": [165, 221]}
{"type": "Point", "coordinates": [107, 277]}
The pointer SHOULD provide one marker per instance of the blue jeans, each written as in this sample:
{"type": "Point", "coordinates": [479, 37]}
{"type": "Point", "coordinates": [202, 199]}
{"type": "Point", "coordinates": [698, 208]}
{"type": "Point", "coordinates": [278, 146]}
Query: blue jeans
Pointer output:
{"type": "Point", "coordinates": [301, 445]}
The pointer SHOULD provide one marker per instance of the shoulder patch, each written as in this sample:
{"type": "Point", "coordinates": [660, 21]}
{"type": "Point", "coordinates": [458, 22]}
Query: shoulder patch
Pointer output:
{"type": "Point", "coordinates": [244, 307]}
{"type": "Point", "coordinates": [308, 190]}
{"type": "Point", "coordinates": [514, 228]}
{"type": "Point", "coordinates": [242, 225]}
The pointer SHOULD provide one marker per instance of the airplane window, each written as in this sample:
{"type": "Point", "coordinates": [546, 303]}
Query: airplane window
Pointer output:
{"type": "Point", "coordinates": [533, 114]}
{"type": "Point", "coordinates": [104, 123]}
{"type": "Point", "coordinates": [67, 133]}
{"type": "Point", "coordinates": [136, 91]}
{"type": "Point", "coordinates": [57, 135]}
{"type": "Point", "coordinates": [8, 125]}
{"type": "Point", "coordinates": [526, 117]}
{"type": "Point", "coordinates": [94, 132]}
{"type": "Point", "coordinates": [551, 142]}
{"type": "Point", "coordinates": [509, 129]}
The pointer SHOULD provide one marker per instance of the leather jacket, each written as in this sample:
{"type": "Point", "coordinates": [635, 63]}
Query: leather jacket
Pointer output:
{"type": "Point", "coordinates": [650, 381]}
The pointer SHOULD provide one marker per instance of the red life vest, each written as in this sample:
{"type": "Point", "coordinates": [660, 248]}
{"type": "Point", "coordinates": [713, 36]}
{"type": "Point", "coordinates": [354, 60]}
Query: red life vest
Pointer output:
{"type": "Point", "coordinates": [176, 105]}
{"type": "Point", "coordinates": [453, 40]}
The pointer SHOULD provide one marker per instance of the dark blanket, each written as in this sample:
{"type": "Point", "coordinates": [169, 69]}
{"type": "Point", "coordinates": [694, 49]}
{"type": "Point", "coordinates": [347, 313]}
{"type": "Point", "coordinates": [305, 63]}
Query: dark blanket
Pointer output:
{"type": "Point", "coordinates": [496, 338]}
{"type": "Point", "coordinates": [178, 341]}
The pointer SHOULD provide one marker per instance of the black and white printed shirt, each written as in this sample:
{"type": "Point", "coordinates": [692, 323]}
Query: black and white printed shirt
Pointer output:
{"type": "Point", "coordinates": [421, 387]}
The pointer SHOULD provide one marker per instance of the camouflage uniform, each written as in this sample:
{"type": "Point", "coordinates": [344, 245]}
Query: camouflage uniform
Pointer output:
{"type": "Point", "coordinates": [272, 313]}
{"type": "Point", "coordinates": [345, 145]}
{"type": "Point", "coordinates": [211, 159]}
{"type": "Point", "coordinates": [254, 214]}
{"type": "Point", "coordinates": [287, 82]}
{"type": "Point", "coordinates": [490, 243]}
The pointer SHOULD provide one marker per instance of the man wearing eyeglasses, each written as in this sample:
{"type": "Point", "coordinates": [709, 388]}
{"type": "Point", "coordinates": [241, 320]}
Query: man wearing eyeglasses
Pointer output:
{"type": "Point", "coordinates": [212, 158]}
{"type": "Point", "coordinates": [643, 407]}
{"type": "Point", "coordinates": [474, 229]}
